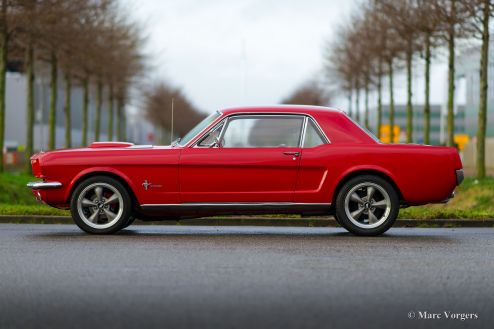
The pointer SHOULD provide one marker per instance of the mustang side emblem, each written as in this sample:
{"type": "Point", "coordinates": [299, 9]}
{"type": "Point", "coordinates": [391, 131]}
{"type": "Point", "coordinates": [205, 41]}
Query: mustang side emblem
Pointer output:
{"type": "Point", "coordinates": [148, 185]}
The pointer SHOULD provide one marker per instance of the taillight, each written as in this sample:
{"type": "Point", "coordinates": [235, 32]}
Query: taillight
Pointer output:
{"type": "Point", "coordinates": [36, 168]}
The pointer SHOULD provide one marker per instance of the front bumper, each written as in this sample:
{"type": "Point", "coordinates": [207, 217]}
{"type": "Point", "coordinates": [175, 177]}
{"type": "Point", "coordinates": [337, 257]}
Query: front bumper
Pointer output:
{"type": "Point", "coordinates": [44, 185]}
{"type": "Point", "coordinates": [460, 176]}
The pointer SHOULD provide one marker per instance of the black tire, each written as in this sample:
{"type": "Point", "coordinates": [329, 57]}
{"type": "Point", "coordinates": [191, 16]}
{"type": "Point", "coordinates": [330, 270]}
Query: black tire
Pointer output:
{"type": "Point", "coordinates": [339, 221]}
{"type": "Point", "coordinates": [363, 223]}
{"type": "Point", "coordinates": [108, 185]}
{"type": "Point", "coordinates": [130, 221]}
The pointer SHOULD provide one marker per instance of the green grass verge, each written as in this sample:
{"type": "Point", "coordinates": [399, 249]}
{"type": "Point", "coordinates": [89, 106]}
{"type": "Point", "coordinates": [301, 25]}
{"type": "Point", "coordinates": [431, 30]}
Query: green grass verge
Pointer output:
{"type": "Point", "coordinates": [31, 210]}
{"type": "Point", "coordinates": [474, 199]}
{"type": "Point", "coordinates": [17, 199]}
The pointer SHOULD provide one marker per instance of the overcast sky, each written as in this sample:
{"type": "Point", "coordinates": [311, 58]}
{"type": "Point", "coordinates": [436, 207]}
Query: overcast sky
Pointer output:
{"type": "Point", "coordinates": [250, 52]}
{"type": "Point", "coordinates": [237, 52]}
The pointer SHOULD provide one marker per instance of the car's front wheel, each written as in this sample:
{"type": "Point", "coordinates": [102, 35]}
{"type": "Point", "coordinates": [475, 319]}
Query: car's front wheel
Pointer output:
{"type": "Point", "coordinates": [101, 205]}
{"type": "Point", "coordinates": [367, 205]}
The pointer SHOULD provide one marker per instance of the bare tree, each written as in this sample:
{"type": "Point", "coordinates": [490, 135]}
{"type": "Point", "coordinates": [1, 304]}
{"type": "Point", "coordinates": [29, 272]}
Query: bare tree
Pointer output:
{"type": "Point", "coordinates": [480, 12]}
{"type": "Point", "coordinates": [7, 27]}
{"type": "Point", "coordinates": [403, 20]}
{"type": "Point", "coordinates": [309, 93]}
{"type": "Point", "coordinates": [452, 17]}
{"type": "Point", "coordinates": [428, 26]}
{"type": "Point", "coordinates": [158, 109]}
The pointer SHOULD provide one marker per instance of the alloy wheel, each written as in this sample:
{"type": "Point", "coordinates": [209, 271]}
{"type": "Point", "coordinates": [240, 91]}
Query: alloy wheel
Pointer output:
{"type": "Point", "coordinates": [100, 205]}
{"type": "Point", "coordinates": [367, 205]}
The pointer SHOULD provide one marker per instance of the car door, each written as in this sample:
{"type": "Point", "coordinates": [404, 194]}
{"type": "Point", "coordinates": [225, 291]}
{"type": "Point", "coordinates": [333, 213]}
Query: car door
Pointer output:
{"type": "Point", "coordinates": [245, 158]}
{"type": "Point", "coordinates": [314, 167]}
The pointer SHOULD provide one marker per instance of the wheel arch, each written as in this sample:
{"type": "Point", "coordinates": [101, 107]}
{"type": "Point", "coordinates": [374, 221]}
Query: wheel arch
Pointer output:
{"type": "Point", "coordinates": [367, 171]}
{"type": "Point", "coordinates": [109, 172]}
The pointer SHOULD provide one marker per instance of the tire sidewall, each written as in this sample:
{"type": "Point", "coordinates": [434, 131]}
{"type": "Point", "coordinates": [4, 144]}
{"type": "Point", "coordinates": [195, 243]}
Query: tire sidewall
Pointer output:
{"type": "Point", "coordinates": [348, 224]}
{"type": "Point", "coordinates": [127, 205]}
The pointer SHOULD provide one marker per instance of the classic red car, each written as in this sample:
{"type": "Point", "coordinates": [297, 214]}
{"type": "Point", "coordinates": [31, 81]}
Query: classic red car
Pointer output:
{"type": "Point", "coordinates": [251, 160]}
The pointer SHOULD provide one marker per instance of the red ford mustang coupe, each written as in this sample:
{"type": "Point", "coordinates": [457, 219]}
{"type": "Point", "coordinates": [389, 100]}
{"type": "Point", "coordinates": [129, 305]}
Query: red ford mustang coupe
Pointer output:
{"type": "Point", "coordinates": [251, 160]}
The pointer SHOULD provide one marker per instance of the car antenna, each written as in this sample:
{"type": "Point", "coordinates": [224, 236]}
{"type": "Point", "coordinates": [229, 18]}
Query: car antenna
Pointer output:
{"type": "Point", "coordinates": [171, 130]}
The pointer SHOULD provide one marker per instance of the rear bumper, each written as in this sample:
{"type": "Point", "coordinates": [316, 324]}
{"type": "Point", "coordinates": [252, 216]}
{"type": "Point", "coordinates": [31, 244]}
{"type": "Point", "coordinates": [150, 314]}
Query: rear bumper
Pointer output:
{"type": "Point", "coordinates": [44, 185]}
{"type": "Point", "coordinates": [460, 176]}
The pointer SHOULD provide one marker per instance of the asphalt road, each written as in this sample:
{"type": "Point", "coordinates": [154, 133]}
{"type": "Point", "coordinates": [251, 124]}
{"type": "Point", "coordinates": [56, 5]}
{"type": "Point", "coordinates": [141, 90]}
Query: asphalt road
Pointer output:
{"type": "Point", "coordinates": [54, 276]}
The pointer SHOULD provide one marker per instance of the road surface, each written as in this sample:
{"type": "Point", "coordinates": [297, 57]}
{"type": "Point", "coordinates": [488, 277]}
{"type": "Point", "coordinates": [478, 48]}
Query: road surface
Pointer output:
{"type": "Point", "coordinates": [54, 276]}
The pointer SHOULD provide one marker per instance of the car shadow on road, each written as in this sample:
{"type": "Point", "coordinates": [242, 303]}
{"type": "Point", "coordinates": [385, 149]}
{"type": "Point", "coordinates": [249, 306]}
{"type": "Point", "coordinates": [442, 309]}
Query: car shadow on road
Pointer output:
{"type": "Point", "coordinates": [335, 234]}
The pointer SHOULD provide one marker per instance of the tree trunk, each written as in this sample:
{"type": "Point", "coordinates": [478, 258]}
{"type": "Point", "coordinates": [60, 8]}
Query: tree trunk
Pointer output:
{"type": "Point", "coordinates": [124, 122]}
{"type": "Point", "coordinates": [357, 103]}
{"type": "Point", "coordinates": [52, 117]}
{"type": "Point", "coordinates": [484, 62]}
{"type": "Point", "coordinates": [350, 94]}
{"type": "Point", "coordinates": [110, 114]}
{"type": "Point", "coordinates": [85, 110]}
{"type": "Point", "coordinates": [391, 104]}
{"type": "Point", "coordinates": [451, 81]}
{"type": "Point", "coordinates": [409, 94]}
{"type": "Point", "coordinates": [366, 115]}
{"type": "Point", "coordinates": [427, 106]}
{"type": "Point", "coordinates": [30, 106]}
{"type": "Point", "coordinates": [119, 117]}
{"type": "Point", "coordinates": [379, 101]}
{"type": "Point", "coordinates": [97, 117]}
{"type": "Point", "coordinates": [67, 109]}
{"type": "Point", "coordinates": [3, 72]}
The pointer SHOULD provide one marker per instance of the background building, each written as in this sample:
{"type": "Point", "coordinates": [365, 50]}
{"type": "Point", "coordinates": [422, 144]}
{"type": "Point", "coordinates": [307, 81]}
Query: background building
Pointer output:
{"type": "Point", "coordinates": [438, 121]}
{"type": "Point", "coordinates": [467, 75]}
{"type": "Point", "coordinates": [138, 129]}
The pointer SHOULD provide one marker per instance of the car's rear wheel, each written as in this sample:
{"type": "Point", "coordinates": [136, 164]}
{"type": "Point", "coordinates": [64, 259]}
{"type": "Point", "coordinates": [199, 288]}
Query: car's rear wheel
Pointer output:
{"type": "Point", "coordinates": [101, 205]}
{"type": "Point", "coordinates": [367, 205]}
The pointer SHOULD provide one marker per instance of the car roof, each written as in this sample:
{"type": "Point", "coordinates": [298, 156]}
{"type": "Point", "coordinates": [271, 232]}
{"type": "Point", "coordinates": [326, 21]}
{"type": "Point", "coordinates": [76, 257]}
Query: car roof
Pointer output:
{"type": "Point", "coordinates": [304, 109]}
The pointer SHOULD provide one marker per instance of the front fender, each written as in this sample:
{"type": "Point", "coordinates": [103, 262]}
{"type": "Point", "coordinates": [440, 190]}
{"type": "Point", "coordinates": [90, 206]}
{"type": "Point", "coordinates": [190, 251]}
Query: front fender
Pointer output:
{"type": "Point", "coordinates": [94, 170]}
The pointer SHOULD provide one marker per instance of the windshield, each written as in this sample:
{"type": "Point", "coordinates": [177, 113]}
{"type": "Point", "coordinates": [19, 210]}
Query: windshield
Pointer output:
{"type": "Point", "coordinates": [198, 128]}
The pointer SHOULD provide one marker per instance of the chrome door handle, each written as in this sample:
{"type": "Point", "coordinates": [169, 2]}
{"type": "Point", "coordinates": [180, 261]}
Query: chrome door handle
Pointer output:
{"type": "Point", "coordinates": [295, 154]}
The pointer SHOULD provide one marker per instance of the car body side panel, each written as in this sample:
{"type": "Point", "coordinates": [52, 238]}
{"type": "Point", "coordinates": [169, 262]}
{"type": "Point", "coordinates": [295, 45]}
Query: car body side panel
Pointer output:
{"type": "Point", "coordinates": [423, 174]}
{"type": "Point", "coordinates": [158, 166]}
{"type": "Point", "coordinates": [238, 174]}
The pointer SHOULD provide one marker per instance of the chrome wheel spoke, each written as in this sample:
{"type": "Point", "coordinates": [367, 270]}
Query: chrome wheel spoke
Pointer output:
{"type": "Point", "coordinates": [99, 192]}
{"type": "Point", "coordinates": [356, 214]}
{"type": "Point", "coordinates": [370, 192]}
{"type": "Point", "coordinates": [112, 199]}
{"type": "Point", "coordinates": [355, 198]}
{"type": "Point", "coordinates": [88, 203]}
{"type": "Point", "coordinates": [109, 215]}
{"type": "Point", "coordinates": [380, 204]}
{"type": "Point", "coordinates": [372, 218]}
{"type": "Point", "coordinates": [94, 217]}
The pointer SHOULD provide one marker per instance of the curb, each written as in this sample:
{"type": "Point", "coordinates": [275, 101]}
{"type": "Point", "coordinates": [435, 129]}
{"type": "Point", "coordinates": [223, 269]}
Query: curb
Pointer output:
{"type": "Point", "coordinates": [258, 221]}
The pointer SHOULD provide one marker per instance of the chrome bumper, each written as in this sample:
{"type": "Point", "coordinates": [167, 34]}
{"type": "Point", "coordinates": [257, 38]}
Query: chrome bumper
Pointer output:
{"type": "Point", "coordinates": [460, 176]}
{"type": "Point", "coordinates": [44, 185]}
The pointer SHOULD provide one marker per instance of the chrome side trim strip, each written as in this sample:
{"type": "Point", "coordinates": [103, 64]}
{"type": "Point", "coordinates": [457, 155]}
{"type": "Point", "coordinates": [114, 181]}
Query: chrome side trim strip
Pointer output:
{"type": "Point", "coordinates": [44, 185]}
{"type": "Point", "coordinates": [241, 204]}
{"type": "Point", "coordinates": [304, 131]}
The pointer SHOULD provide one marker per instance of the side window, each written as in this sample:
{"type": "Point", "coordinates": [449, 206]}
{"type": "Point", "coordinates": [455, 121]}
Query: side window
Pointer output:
{"type": "Point", "coordinates": [263, 131]}
{"type": "Point", "coordinates": [210, 137]}
{"type": "Point", "coordinates": [312, 135]}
